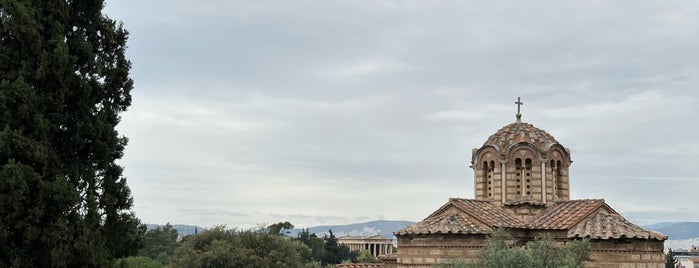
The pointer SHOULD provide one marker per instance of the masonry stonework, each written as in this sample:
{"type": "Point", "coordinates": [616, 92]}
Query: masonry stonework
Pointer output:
{"type": "Point", "coordinates": [522, 183]}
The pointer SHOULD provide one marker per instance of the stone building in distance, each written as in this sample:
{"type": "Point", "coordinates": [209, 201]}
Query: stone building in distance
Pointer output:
{"type": "Point", "coordinates": [374, 244]}
{"type": "Point", "coordinates": [522, 184]}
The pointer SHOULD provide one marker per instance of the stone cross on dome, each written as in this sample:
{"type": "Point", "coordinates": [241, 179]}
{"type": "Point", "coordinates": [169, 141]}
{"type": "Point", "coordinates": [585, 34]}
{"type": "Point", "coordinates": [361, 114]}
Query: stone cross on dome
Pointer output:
{"type": "Point", "coordinates": [519, 115]}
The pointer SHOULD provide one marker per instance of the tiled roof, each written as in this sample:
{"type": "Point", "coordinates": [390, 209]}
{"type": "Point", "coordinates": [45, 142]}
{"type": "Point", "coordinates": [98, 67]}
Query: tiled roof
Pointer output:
{"type": "Point", "coordinates": [385, 257]}
{"type": "Point", "coordinates": [606, 225]}
{"type": "Point", "coordinates": [591, 218]}
{"type": "Point", "coordinates": [488, 212]}
{"type": "Point", "coordinates": [447, 223]}
{"type": "Point", "coordinates": [520, 132]}
{"type": "Point", "coordinates": [359, 265]}
{"type": "Point", "coordinates": [471, 217]}
{"type": "Point", "coordinates": [565, 214]}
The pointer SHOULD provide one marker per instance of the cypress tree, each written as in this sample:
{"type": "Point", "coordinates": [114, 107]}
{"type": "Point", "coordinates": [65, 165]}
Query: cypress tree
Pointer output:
{"type": "Point", "coordinates": [63, 83]}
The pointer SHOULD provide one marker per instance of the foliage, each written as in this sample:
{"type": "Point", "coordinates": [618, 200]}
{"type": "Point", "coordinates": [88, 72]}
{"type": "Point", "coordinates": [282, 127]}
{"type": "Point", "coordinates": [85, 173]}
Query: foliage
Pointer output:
{"type": "Point", "coordinates": [280, 228]}
{"type": "Point", "coordinates": [63, 83]}
{"type": "Point", "coordinates": [545, 254]}
{"type": "Point", "coordinates": [539, 253]}
{"type": "Point", "coordinates": [222, 247]}
{"type": "Point", "coordinates": [137, 262]}
{"type": "Point", "coordinates": [366, 257]}
{"type": "Point", "coordinates": [313, 264]}
{"type": "Point", "coordinates": [335, 253]}
{"type": "Point", "coordinates": [670, 261]}
{"type": "Point", "coordinates": [159, 243]}
{"type": "Point", "coordinates": [315, 243]}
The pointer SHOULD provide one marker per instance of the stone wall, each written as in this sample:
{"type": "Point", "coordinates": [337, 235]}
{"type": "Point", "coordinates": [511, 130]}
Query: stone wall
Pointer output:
{"type": "Point", "coordinates": [626, 253]}
{"type": "Point", "coordinates": [427, 250]}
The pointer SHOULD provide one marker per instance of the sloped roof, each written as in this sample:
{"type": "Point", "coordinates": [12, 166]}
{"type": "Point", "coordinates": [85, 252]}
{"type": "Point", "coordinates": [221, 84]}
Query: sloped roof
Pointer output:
{"type": "Point", "coordinates": [591, 218]}
{"type": "Point", "coordinates": [488, 212]}
{"type": "Point", "coordinates": [565, 214]}
{"type": "Point", "coordinates": [469, 217]}
{"type": "Point", "coordinates": [447, 223]}
{"type": "Point", "coordinates": [604, 224]}
{"type": "Point", "coordinates": [359, 265]}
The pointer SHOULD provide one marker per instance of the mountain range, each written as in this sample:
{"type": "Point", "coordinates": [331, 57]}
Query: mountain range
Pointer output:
{"type": "Point", "coordinates": [182, 229]}
{"type": "Point", "coordinates": [383, 228]}
{"type": "Point", "coordinates": [674, 230]}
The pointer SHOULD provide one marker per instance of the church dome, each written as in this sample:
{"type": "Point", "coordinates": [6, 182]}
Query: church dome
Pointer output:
{"type": "Point", "coordinates": [521, 165]}
{"type": "Point", "coordinates": [519, 132]}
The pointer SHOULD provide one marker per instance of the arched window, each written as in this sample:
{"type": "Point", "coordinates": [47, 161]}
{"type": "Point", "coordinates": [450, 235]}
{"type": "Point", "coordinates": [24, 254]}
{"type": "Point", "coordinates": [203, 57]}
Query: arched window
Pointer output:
{"type": "Point", "coordinates": [491, 175]}
{"type": "Point", "coordinates": [559, 181]}
{"type": "Point", "coordinates": [554, 177]}
{"type": "Point", "coordinates": [528, 176]}
{"type": "Point", "coordinates": [519, 175]}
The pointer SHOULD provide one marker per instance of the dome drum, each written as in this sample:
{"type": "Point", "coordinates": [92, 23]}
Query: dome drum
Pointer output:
{"type": "Point", "coordinates": [521, 162]}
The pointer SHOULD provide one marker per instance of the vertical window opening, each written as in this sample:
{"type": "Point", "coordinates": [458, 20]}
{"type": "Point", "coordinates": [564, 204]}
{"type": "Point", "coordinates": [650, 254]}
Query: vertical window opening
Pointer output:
{"type": "Point", "coordinates": [554, 177]}
{"type": "Point", "coordinates": [528, 176]}
{"type": "Point", "coordinates": [486, 175]}
{"type": "Point", "coordinates": [558, 178]}
{"type": "Point", "coordinates": [519, 175]}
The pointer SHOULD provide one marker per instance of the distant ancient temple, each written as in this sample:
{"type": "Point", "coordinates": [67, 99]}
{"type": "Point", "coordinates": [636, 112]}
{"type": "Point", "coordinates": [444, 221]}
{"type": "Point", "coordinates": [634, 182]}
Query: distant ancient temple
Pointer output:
{"type": "Point", "coordinates": [374, 244]}
{"type": "Point", "coordinates": [522, 184]}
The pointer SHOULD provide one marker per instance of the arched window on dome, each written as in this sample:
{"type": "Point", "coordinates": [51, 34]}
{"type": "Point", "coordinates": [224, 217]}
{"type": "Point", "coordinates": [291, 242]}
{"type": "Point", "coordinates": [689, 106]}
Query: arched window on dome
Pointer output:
{"type": "Point", "coordinates": [559, 181]}
{"type": "Point", "coordinates": [489, 171]}
{"type": "Point", "coordinates": [519, 174]}
{"type": "Point", "coordinates": [554, 177]}
{"type": "Point", "coordinates": [528, 176]}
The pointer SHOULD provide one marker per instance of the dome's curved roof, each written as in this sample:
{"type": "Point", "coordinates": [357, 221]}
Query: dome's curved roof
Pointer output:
{"type": "Point", "coordinates": [520, 132]}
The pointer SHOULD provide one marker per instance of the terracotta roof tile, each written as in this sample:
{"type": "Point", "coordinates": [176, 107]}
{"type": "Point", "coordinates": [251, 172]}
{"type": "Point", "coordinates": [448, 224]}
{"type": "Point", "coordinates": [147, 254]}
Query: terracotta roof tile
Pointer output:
{"type": "Point", "coordinates": [488, 212]}
{"type": "Point", "coordinates": [591, 218]}
{"type": "Point", "coordinates": [564, 215]}
{"type": "Point", "coordinates": [392, 256]}
{"type": "Point", "coordinates": [447, 223]}
{"type": "Point", "coordinates": [606, 225]}
{"type": "Point", "coordinates": [359, 265]}
{"type": "Point", "coordinates": [475, 217]}
{"type": "Point", "coordinates": [519, 132]}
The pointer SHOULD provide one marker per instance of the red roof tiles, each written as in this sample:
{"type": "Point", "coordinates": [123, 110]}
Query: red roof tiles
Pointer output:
{"type": "Point", "coordinates": [471, 217]}
{"type": "Point", "coordinates": [564, 215]}
{"type": "Point", "coordinates": [520, 132]}
{"type": "Point", "coordinates": [488, 212]}
{"type": "Point", "coordinates": [591, 218]}
{"type": "Point", "coordinates": [359, 265]}
{"type": "Point", "coordinates": [607, 225]}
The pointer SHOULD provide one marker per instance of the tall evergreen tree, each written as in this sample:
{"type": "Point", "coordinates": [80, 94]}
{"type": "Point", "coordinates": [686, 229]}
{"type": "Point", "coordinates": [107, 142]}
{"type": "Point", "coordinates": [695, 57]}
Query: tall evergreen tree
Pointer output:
{"type": "Point", "coordinates": [63, 83]}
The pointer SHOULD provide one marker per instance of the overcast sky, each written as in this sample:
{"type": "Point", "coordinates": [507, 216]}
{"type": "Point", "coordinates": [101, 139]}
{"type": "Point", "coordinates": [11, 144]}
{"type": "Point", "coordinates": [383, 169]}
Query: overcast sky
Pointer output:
{"type": "Point", "coordinates": [336, 112]}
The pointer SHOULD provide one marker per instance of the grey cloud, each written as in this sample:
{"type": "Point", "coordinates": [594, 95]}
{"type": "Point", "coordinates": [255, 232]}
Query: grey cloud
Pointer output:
{"type": "Point", "coordinates": [299, 108]}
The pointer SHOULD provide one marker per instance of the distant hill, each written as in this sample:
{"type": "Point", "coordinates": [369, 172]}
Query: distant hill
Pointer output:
{"type": "Point", "coordinates": [383, 228]}
{"type": "Point", "coordinates": [182, 229]}
{"type": "Point", "coordinates": [676, 230]}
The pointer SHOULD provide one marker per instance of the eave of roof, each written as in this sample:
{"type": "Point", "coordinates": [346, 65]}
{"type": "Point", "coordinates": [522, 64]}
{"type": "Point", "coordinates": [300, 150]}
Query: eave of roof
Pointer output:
{"type": "Point", "coordinates": [591, 218]}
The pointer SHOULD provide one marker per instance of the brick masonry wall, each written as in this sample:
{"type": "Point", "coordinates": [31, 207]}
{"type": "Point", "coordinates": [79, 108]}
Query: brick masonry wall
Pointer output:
{"type": "Point", "coordinates": [428, 250]}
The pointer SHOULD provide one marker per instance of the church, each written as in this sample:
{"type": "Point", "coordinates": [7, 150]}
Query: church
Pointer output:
{"type": "Point", "coordinates": [522, 184]}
